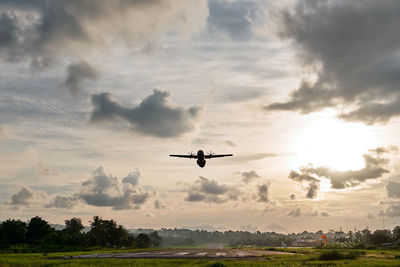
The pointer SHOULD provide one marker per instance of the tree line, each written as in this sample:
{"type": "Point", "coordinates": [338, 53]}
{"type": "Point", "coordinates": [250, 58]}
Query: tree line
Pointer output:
{"type": "Point", "coordinates": [37, 235]}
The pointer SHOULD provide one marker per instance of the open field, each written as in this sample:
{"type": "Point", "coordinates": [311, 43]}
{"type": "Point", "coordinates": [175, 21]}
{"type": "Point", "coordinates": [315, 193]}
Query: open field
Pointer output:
{"type": "Point", "coordinates": [203, 257]}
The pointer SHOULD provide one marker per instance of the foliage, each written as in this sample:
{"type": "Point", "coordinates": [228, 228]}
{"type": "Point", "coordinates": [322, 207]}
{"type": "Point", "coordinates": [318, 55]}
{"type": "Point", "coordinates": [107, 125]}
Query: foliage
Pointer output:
{"type": "Point", "coordinates": [142, 241]}
{"type": "Point", "coordinates": [38, 236]}
{"type": "Point", "coordinates": [12, 232]}
{"type": "Point", "coordinates": [38, 231]}
{"type": "Point", "coordinates": [330, 255]}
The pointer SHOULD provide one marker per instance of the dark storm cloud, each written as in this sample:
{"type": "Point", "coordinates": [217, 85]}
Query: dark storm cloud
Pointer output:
{"type": "Point", "coordinates": [353, 48]}
{"type": "Point", "coordinates": [77, 74]}
{"type": "Point", "coordinates": [249, 176]}
{"type": "Point", "coordinates": [309, 182]}
{"type": "Point", "coordinates": [23, 197]}
{"type": "Point", "coordinates": [210, 191]}
{"type": "Point", "coordinates": [393, 189]}
{"type": "Point", "coordinates": [153, 116]}
{"type": "Point", "coordinates": [233, 18]}
{"type": "Point", "coordinates": [262, 193]}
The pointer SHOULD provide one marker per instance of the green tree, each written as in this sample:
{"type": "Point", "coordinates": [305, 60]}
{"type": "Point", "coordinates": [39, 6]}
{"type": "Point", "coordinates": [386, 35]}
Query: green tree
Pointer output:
{"type": "Point", "coordinates": [381, 236]}
{"type": "Point", "coordinates": [142, 241]}
{"type": "Point", "coordinates": [107, 233]}
{"type": "Point", "coordinates": [12, 232]}
{"type": "Point", "coordinates": [72, 232]}
{"type": "Point", "coordinates": [155, 239]}
{"type": "Point", "coordinates": [38, 230]}
{"type": "Point", "coordinates": [396, 232]}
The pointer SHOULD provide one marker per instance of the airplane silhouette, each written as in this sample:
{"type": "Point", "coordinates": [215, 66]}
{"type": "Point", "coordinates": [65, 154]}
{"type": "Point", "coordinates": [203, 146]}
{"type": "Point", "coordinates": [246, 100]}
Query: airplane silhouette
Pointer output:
{"type": "Point", "coordinates": [201, 157]}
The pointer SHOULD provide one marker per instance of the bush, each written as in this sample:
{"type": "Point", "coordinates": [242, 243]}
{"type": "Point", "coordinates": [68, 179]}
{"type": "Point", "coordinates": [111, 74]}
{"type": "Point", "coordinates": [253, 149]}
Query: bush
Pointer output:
{"type": "Point", "coordinates": [337, 255]}
{"type": "Point", "coordinates": [217, 264]}
{"type": "Point", "coordinates": [331, 255]}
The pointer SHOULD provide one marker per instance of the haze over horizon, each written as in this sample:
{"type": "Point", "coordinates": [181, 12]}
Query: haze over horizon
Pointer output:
{"type": "Point", "coordinates": [94, 96]}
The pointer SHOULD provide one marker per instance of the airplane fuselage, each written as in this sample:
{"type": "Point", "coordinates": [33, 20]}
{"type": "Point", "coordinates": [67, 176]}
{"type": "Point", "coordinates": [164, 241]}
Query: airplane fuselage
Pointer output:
{"type": "Point", "coordinates": [200, 159]}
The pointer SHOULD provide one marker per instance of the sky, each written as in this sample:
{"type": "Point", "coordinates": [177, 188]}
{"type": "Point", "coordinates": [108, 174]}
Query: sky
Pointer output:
{"type": "Point", "coordinates": [94, 96]}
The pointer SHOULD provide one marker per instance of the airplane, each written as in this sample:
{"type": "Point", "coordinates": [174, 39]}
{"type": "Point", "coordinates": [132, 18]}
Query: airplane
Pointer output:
{"type": "Point", "coordinates": [201, 157]}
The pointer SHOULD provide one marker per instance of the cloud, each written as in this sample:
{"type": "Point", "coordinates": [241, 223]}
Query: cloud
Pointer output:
{"type": "Point", "coordinates": [62, 202]}
{"type": "Point", "coordinates": [229, 143]}
{"type": "Point", "coordinates": [132, 178]}
{"type": "Point", "coordinates": [77, 74]}
{"type": "Point", "coordinates": [234, 19]}
{"type": "Point", "coordinates": [309, 182]}
{"type": "Point", "coordinates": [392, 211]}
{"type": "Point", "coordinates": [374, 169]}
{"type": "Point", "coordinates": [249, 176]}
{"type": "Point", "coordinates": [262, 193]}
{"type": "Point", "coordinates": [393, 189]}
{"type": "Point", "coordinates": [292, 197]}
{"type": "Point", "coordinates": [45, 30]}
{"type": "Point", "coordinates": [27, 197]}
{"type": "Point", "coordinates": [296, 212]}
{"type": "Point", "coordinates": [210, 191]}
{"type": "Point", "coordinates": [44, 170]}
{"type": "Point", "coordinates": [104, 190]}
{"type": "Point", "coordinates": [325, 214]}
{"type": "Point", "coordinates": [316, 213]}
{"type": "Point", "coordinates": [352, 48]}
{"type": "Point", "coordinates": [159, 205]}
{"type": "Point", "coordinates": [22, 197]}
{"type": "Point", "coordinates": [255, 156]}
{"type": "Point", "coordinates": [153, 116]}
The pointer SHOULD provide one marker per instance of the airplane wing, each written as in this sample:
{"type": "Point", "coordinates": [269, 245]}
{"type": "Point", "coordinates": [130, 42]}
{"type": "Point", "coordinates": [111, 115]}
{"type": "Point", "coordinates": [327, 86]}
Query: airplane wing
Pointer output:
{"type": "Point", "coordinates": [217, 156]}
{"type": "Point", "coordinates": [185, 156]}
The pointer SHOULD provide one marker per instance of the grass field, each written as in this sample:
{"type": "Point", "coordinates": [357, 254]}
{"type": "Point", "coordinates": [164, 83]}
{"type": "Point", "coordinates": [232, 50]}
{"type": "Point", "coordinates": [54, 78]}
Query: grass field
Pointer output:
{"type": "Point", "coordinates": [301, 257]}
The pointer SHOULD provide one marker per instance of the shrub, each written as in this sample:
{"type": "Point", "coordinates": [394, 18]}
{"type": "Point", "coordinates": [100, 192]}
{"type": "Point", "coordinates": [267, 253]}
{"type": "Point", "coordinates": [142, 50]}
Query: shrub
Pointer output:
{"type": "Point", "coordinates": [331, 255]}
{"type": "Point", "coordinates": [337, 255]}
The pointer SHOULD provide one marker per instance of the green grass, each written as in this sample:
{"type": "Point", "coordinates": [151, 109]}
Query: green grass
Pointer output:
{"type": "Point", "coordinates": [302, 257]}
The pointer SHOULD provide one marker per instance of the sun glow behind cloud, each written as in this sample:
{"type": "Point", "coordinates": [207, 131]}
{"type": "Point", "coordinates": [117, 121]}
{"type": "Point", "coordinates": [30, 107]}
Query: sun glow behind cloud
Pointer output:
{"type": "Point", "coordinates": [327, 141]}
